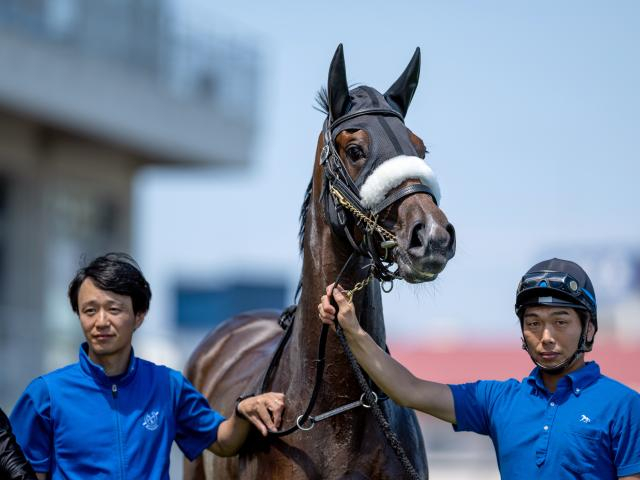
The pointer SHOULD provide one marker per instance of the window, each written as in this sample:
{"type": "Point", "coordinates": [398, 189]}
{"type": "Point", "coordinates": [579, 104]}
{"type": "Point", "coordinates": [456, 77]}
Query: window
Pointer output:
{"type": "Point", "coordinates": [207, 307]}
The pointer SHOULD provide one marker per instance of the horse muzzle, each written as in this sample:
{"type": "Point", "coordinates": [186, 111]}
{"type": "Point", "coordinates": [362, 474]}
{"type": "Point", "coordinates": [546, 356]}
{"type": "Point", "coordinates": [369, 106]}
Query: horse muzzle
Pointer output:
{"type": "Point", "coordinates": [424, 252]}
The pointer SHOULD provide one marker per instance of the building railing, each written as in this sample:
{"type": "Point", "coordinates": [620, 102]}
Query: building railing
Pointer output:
{"type": "Point", "coordinates": [144, 36]}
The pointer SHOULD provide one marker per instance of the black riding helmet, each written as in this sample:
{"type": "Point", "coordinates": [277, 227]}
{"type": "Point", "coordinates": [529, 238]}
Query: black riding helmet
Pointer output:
{"type": "Point", "coordinates": [558, 282]}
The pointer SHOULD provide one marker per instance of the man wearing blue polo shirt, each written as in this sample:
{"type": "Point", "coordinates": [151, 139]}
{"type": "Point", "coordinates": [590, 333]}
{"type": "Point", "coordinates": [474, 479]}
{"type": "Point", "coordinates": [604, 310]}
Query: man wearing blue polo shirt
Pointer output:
{"type": "Point", "coordinates": [564, 421]}
{"type": "Point", "coordinates": [113, 415]}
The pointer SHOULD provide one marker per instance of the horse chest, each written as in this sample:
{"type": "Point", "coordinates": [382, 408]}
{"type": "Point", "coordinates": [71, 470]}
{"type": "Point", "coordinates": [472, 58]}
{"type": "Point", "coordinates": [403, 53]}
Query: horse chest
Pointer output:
{"type": "Point", "coordinates": [350, 446]}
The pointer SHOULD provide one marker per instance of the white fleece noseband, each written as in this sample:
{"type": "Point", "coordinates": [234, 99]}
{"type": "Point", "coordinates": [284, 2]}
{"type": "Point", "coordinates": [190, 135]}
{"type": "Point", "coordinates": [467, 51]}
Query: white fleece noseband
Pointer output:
{"type": "Point", "coordinates": [392, 173]}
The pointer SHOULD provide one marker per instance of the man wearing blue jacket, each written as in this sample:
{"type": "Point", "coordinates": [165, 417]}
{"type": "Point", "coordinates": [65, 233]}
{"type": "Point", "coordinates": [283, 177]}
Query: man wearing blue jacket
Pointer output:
{"type": "Point", "coordinates": [565, 420]}
{"type": "Point", "coordinates": [113, 415]}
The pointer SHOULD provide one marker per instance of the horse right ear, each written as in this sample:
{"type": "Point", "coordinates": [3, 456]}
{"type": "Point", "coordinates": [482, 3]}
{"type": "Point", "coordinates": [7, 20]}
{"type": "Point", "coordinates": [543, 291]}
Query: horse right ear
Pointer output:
{"type": "Point", "coordinates": [337, 88]}
{"type": "Point", "coordinates": [401, 92]}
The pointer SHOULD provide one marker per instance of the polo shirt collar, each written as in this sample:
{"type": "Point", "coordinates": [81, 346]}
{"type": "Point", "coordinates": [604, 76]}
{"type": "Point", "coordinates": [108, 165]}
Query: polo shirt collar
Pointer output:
{"type": "Point", "coordinates": [97, 372]}
{"type": "Point", "coordinates": [583, 377]}
{"type": "Point", "coordinates": [577, 381]}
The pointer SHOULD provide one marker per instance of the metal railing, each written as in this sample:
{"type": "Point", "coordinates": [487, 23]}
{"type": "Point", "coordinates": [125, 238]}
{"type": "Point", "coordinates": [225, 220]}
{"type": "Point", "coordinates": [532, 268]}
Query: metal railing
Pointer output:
{"type": "Point", "coordinates": [145, 36]}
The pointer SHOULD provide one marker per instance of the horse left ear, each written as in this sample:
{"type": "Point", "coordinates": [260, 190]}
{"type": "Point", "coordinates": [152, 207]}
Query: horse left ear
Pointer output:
{"type": "Point", "coordinates": [401, 92]}
{"type": "Point", "coordinates": [337, 87]}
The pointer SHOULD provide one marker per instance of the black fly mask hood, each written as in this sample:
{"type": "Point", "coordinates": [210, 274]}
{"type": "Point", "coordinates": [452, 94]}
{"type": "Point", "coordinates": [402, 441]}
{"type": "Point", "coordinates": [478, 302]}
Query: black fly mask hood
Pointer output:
{"type": "Point", "coordinates": [388, 136]}
{"type": "Point", "coordinates": [392, 157]}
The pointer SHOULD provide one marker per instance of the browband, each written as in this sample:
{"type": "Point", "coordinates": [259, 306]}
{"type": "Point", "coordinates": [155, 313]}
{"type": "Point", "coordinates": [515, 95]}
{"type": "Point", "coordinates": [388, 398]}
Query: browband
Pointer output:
{"type": "Point", "coordinates": [370, 111]}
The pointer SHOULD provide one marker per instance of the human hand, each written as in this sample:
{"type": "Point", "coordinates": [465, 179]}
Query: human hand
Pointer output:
{"type": "Point", "coordinates": [263, 411]}
{"type": "Point", "coordinates": [346, 311]}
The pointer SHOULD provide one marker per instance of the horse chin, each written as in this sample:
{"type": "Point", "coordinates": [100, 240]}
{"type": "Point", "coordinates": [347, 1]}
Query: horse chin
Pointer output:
{"type": "Point", "coordinates": [422, 277]}
{"type": "Point", "coordinates": [419, 270]}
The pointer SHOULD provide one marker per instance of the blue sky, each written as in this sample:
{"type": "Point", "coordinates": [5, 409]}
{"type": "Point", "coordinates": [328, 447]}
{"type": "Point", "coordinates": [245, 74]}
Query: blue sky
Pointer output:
{"type": "Point", "coordinates": [529, 110]}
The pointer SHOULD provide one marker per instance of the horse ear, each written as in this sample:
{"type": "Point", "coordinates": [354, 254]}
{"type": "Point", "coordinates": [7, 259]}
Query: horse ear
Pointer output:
{"type": "Point", "coordinates": [401, 92]}
{"type": "Point", "coordinates": [337, 87]}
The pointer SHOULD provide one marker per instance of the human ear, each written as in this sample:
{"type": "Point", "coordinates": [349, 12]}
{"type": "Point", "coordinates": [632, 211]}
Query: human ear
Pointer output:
{"type": "Point", "coordinates": [139, 318]}
{"type": "Point", "coordinates": [591, 331]}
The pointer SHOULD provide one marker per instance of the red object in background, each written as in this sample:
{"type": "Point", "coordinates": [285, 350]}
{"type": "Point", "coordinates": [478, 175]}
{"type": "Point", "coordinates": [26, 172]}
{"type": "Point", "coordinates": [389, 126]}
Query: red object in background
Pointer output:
{"type": "Point", "coordinates": [460, 363]}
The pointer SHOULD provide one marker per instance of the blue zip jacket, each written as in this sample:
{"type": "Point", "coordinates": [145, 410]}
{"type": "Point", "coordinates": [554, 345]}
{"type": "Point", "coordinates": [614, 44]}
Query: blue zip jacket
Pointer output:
{"type": "Point", "coordinates": [78, 423]}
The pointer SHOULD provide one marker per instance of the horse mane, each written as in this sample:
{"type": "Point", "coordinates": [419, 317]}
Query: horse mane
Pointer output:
{"type": "Point", "coordinates": [322, 106]}
{"type": "Point", "coordinates": [322, 101]}
{"type": "Point", "coordinates": [303, 215]}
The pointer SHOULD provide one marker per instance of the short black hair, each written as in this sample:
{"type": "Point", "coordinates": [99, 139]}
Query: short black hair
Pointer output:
{"type": "Point", "coordinates": [114, 272]}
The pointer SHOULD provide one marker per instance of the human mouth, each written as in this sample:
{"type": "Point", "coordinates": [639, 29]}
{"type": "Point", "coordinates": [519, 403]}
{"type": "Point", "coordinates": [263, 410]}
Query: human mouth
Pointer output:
{"type": "Point", "coordinates": [102, 338]}
{"type": "Point", "coordinates": [549, 355]}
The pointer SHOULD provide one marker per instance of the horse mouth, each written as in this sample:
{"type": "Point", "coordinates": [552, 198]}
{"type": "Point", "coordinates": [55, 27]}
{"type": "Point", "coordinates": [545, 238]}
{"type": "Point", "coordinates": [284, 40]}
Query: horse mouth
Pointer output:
{"type": "Point", "coordinates": [410, 270]}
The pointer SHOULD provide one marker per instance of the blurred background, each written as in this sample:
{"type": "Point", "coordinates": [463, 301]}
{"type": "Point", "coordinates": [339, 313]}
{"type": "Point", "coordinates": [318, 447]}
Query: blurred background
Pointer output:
{"type": "Point", "coordinates": [184, 132]}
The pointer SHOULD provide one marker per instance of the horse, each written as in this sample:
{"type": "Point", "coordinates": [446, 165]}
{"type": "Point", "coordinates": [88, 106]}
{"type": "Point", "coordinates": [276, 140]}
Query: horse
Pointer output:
{"type": "Point", "coordinates": [372, 203]}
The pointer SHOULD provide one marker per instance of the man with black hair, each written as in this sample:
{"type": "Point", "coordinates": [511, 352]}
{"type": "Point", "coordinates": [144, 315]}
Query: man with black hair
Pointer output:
{"type": "Point", "coordinates": [564, 421]}
{"type": "Point", "coordinates": [113, 415]}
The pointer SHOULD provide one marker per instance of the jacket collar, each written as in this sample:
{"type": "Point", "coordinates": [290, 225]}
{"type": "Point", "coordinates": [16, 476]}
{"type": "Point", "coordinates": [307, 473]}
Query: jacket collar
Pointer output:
{"type": "Point", "coordinates": [96, 372]}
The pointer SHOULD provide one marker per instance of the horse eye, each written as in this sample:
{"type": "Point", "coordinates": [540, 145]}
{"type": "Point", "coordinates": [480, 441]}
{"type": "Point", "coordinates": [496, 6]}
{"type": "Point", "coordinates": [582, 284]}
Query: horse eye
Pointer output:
{"type": "Point", "coordinates": [355, 152]}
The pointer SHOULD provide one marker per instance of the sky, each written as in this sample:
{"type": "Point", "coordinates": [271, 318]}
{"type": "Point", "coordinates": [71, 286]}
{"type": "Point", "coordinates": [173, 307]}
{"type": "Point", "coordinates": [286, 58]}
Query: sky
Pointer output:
{"type": "Point", "coordinates": [529, 111]}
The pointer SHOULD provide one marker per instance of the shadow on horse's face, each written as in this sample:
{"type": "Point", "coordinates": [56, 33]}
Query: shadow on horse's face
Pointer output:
{"type": "Point", "coordinates": [426, 239]}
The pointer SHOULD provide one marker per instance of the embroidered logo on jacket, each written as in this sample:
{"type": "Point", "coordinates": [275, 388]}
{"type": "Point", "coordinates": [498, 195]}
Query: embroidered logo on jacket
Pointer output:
{"type": "Point", "coordinates": [151, 421]}
{"type": "Point", "coordinates": [585, 419]}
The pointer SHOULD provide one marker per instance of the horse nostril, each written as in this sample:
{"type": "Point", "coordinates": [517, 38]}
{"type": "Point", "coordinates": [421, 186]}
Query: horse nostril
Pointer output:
{"type": "Point", "coordinates": [452, 239]}
{"type": "Point", "coordinates": [417, 244]}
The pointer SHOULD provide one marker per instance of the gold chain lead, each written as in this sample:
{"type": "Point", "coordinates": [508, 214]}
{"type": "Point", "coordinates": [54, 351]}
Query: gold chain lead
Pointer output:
{"type": "Point", "coordinates": [371, 223]}
{"type": "Point", "coordinates": [358, 286]}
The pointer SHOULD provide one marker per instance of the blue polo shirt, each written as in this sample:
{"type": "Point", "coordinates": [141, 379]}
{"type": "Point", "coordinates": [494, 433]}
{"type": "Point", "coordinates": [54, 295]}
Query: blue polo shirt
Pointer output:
{"type": "Point", "coordinates": [589, 428]}
{"type": "Point", "coordinates": [78, 423]}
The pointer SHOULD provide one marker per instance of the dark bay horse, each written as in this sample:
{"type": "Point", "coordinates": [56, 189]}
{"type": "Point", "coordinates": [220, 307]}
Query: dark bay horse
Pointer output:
{"type": "Point", "coordinates": [372, 202]}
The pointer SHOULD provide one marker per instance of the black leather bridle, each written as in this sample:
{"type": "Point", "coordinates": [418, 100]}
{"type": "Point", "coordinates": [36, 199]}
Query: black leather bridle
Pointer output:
{"type": "Point", "coordinates": [342, 199]}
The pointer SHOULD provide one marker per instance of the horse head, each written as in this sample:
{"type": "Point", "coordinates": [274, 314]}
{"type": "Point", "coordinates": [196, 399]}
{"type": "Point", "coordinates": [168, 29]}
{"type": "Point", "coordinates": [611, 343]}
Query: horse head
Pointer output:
{"type": "Point", "coordinates": [378, 192]}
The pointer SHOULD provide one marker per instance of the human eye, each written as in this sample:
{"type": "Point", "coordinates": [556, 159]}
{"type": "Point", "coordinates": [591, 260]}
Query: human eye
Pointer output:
{"type": "Point", "coordinates": [89, 311]}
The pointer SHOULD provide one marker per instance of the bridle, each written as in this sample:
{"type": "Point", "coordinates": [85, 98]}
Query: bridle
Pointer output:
{"type": "Point", "coordinates": [343, 208]}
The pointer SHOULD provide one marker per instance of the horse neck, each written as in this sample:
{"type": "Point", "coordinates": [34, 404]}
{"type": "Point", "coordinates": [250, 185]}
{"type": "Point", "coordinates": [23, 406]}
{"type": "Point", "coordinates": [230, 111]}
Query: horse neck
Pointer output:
{"type": "Point", "coordinates": [316, 277]}
{"type": "Point", "coordinates": [323, 259]}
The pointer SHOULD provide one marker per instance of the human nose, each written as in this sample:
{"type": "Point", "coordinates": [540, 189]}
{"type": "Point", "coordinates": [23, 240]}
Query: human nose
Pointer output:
{"type": "Point", "coordinates": [547, 335]}
{"type": "Point", "coordinates": [102, 320]}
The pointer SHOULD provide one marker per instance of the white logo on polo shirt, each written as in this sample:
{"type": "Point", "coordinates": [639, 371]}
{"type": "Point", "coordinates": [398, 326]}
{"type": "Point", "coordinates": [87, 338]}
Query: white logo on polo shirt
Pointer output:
{"type": "Point", "coordinates": [585, 419]}
{"type": "Point", "coordinates": [151, 421]}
